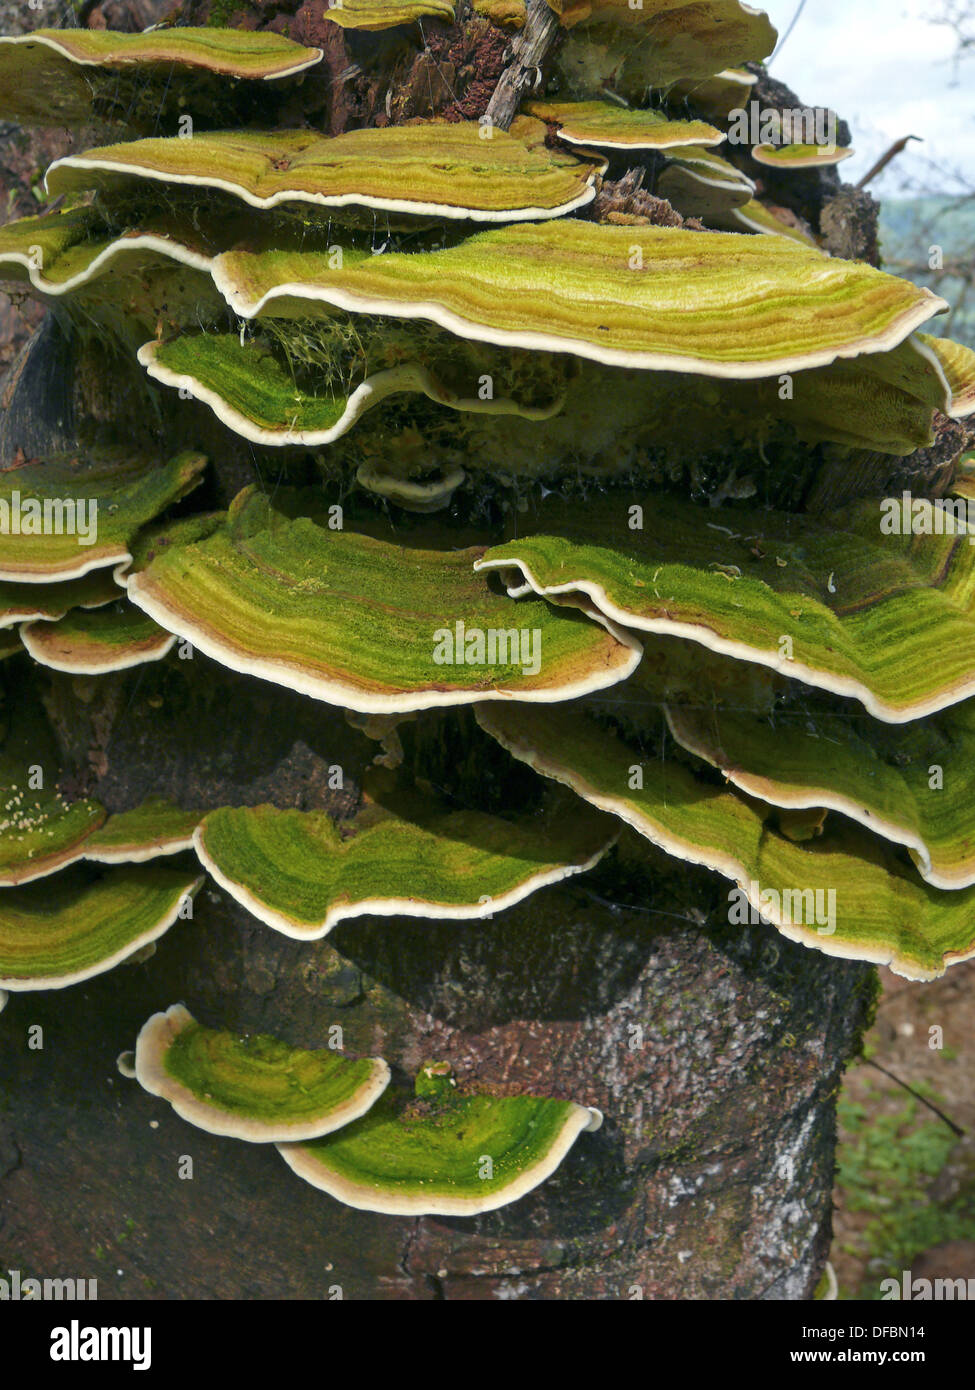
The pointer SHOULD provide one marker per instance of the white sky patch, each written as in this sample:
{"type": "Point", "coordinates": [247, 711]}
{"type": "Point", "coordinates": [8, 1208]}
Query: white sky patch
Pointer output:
{"type": "Point", "coordinates": [887, 70]}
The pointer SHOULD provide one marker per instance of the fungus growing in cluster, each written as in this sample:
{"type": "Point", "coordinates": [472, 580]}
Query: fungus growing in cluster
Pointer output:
{"type": "Point", "coordinates": [404, 855]}
{"type": "Point", "coordinates": [870, 772]}
{"type": "Point", "coordinates": [252, 1086]}
{"type": "Point", "coordinates": [833, 603]}
{"type": "Point", "coordinates": [632, 403]}
{"type": "Point", "coordinates": [856, 898]}
{"type": "Point", "coordinates": [280, 598]}
{"type": "Point", "coordinates": [444, 1152]}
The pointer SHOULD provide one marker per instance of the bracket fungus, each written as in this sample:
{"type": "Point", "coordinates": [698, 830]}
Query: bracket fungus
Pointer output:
{"type": "Point", "coordinates": [321, 587]}
{"type": "Point", "coordinates": [149, 831]}
{"type": "Point", "coordinates": [709, 303]}
{"type": "Point", "coordinates": [64, 517]}
{"type": "Point", "coordinates": [40, 831]}
{"type": "Point", "coordinates": [386, 14]}
{"type": "Point", "coordinates": [516, 435]}
{"type": "Point", "coordinates": [801, 156]}
{"type": "Point", "coordinates": [78, 76]}
{"type": "Point", "coordinates": [95, 642]}
{"type": "Point", "coordinates": [873, 773]}
{"type": "Point", "coordinates": [846, 598]}
{"type": "Point", "coordinates": [403, 856]}
{"type": "Point", "coordinates": [74, 926]}
{"type": "Point", "coordinates": [253, 1086]}
{"type": "Point", "coordinates": [256, 395]}
{"type": "Point", "coordinates": [604, 125]}
{"type": "Point", "coordinates": [68, 249]}
{"type": "Point", "coordinates": [872, 908]}
{"type": "Point", "coordinates": [955, 364]}
{"type": "Point", "coordinates": [449, 170]}
{"type": "Point", "coordinates": [443, 1152]}
{"type": "Point", "coordinates": [633, 48]}
{"type": "Point", "coordinates": [28, 602]}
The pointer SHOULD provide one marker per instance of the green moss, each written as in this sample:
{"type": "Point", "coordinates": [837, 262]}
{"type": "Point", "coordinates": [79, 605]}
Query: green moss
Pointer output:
{"type": "Point", "coordinates": [886, 1163]}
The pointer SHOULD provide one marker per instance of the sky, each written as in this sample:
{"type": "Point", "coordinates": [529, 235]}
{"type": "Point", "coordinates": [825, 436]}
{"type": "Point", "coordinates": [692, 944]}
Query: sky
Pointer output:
{"type": "Point", "coordinates": [887, 70]}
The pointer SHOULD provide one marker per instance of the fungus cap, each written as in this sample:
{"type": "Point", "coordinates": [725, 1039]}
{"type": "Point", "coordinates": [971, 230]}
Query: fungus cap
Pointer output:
{"type": "Point", "coordinates": [428, 1157]}
{"type": "Point", "coordinates": [881, 912]}
{"type": "Point", "coordinates": [98, 641]}
{"type": "Point", "coordinates": [252, 1087]}
{"type": "Point", "coordinates": [449, 170]}
{"type": "Point", "coordinates": [707, 303]}
{"type": "Point", "coordinates": [279, 598]}
{"type": "Point", "coordinates": [886, 618]}
{"type": "Point", "coordinates": [58, 933]}
{"type": "Point", "coordinates": [301, 874]}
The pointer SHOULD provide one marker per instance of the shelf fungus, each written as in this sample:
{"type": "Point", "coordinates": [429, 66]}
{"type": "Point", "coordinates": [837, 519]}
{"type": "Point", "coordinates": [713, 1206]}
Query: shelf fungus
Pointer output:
{"type": "Point", "coordinates": [801, 156]}
{"type": "Point", "coordinates": [253, 1086]}
{"type": "Point", "coordinates": [717, 95]}
{"type": "Point", "coordinates": [255, 393]}
{"type": "Point", "coordinates": [386, 14]}
{"type": "Point", "coordinates": [368, 624]}
{"type": "Point", "coordinates": [64, 517]}
{"type": "Point", "coordinates": [955, 364]}
{"type": "Point", "coordinates": [85, 76]}
{"type": "Point", "coordinates": [93, 643]}
{"type": "Point", "coordinates": [700, 183]}
{"type": "Point", "coordinates": [844, 892]}
{"type": "Point", "coordinates": [890, 779]}
{"type": "Point", "coordinates": [60, 252]}
{"type": "Point", "coordinates": [150, 831]}
{"type": "Point", "coordinates": [659, 298]}
{"type": "Point", "coordinates": [754, 216]}
{"type": "Point", "coordinates": [629, 49]}
{"type": "Point", "coordinates": [403, 856]}
{"type": "Point", "coordinates": [605, 125]}
{"type": "Point", "coordinates": [40, 830]}
{"type": "Point", "coordinates": [856, 608]}
{"type": "Point", "coordinates": [444, 1151]}
{"type": "Point", "coordinates": [49, 602]}
{"type": "Point", "coordinates": [75, 926]}
{"type": "Point", "coordinates": [431, 169]}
